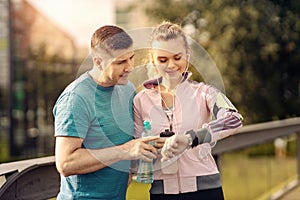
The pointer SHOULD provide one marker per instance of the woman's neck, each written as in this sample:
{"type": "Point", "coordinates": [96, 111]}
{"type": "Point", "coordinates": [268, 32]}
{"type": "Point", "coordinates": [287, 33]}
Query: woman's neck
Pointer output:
{"type": "Point", "coordinates": [167, 95]}
{"type": "Point", "coordinates": [170, 84]}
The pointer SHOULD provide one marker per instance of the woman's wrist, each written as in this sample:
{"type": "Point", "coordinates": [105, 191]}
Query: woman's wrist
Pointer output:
{"type": "Point", "coordinates": [190, 140]}
{"type": "Point", "coordinates": [193, 137]}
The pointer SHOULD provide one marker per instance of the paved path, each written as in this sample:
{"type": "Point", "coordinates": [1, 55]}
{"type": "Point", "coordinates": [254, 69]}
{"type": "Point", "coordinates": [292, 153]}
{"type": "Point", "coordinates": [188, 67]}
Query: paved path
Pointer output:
{"type": "Point", "coordinates": [292, 195]}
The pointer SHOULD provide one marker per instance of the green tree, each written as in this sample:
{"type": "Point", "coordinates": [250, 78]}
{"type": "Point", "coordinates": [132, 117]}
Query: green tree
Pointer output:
{"type": "Point", "coordinates": [255, 45]}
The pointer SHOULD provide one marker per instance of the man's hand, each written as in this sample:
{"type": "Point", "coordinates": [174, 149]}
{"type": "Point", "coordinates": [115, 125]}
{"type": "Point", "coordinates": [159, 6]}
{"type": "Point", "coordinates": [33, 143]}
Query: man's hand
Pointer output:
{"type": "Point", "coordinates": [159, 143]}
{"type": "Point", "coordinates": [139, 149]}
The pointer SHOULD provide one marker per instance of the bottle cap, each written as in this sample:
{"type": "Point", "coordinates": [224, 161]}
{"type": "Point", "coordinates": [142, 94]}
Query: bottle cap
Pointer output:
{"type": "Point", "coordinates": [147, 125]}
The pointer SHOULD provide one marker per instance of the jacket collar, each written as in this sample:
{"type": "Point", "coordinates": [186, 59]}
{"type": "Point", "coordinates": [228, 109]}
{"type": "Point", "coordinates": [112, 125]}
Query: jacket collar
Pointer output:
{"type": "Point", "coordinates": [155, 82]}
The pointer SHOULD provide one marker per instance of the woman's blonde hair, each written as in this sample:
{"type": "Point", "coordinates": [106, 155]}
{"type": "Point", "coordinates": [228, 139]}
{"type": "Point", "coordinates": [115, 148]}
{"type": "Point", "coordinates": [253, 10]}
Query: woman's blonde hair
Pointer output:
{"type": "Point", "coordinates": [166, 31]}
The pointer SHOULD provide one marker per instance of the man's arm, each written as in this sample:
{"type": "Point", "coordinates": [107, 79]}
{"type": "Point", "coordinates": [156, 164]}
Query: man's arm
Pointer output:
{"type": "Point", "coordinates": [72, 159]}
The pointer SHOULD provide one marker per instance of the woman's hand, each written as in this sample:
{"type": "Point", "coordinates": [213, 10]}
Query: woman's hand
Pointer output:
{"type": "Point", "coordinates": [174, 146]}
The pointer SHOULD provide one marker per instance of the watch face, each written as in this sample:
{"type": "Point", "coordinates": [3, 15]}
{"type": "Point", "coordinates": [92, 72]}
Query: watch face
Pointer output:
{"type": "Point", "coordinates": [190, 139]}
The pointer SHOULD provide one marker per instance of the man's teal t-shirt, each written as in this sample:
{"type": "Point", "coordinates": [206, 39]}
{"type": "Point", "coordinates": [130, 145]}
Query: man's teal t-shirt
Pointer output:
{"type": "Point", "coordinates": [102, 117]}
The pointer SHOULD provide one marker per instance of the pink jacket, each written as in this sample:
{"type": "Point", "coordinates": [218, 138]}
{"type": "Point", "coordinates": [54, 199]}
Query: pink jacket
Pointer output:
{"type": "Point", "coordinates": [193, 109]}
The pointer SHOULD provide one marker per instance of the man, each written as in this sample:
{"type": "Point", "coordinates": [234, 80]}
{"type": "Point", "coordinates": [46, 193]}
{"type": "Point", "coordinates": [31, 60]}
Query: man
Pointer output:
{"type": "Point", "coordinates": [94, 123]}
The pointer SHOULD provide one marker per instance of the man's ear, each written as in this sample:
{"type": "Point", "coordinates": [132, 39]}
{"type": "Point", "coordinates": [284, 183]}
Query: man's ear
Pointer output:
{"type": "Point", "coordinates": [97, 61]}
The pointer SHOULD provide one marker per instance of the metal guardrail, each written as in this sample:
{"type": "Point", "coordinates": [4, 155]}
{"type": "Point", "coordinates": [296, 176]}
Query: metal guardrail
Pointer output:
{"type": "Point", "coordinates": [29, 179]}
{"type": "Point", "coordinates": [257, 134]}
{"type": "Point", "coordinates": [38, 178]}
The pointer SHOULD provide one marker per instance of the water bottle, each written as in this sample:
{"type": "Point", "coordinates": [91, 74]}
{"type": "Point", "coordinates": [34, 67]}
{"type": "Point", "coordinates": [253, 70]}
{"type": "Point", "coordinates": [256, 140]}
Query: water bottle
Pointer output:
{"type": "Point", "coordinates": [145, 169]}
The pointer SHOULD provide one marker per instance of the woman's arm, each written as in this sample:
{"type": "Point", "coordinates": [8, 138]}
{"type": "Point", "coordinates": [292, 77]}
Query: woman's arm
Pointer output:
{"type": "Point", "coordinates": [227, 121]}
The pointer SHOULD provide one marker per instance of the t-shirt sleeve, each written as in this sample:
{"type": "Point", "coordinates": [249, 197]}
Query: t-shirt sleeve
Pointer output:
{"type": "Point", "coordinates": [71, 116]}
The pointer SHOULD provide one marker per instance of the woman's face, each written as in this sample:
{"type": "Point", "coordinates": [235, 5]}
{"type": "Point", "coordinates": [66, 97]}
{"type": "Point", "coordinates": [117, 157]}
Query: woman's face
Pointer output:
{"type": "Point", "coordinates": [170, 58]}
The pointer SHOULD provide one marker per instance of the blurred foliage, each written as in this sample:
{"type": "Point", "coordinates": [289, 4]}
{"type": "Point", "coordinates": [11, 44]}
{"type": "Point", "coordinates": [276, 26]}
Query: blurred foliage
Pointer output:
{"type": "Point", "coordinates": [38, 81]}
{"type": "Point", "coordinates": [266, 149]}
{"type": "Point", "coordinates": [255, 45]}
{"type": "Point", "coordinates": [269, 149]}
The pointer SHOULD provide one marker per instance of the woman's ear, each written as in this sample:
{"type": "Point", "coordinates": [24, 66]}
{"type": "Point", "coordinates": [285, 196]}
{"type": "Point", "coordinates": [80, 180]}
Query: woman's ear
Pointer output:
{"type": "Point", "coordinates": [97, 61]}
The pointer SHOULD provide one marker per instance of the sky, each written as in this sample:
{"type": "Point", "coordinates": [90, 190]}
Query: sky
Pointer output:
{"type": "Point", "coordinates": [79, 18]}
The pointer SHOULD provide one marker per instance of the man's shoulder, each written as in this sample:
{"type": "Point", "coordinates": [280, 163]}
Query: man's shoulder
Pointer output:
{"type": "Point", "coordinates": [80, 86]}
{"type": "Point", "coordinates": [81, 81]}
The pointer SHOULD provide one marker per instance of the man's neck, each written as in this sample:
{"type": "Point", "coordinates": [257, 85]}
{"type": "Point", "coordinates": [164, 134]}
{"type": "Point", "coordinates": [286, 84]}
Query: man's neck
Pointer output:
{"type": "Point", "coordinates": [98, 77]}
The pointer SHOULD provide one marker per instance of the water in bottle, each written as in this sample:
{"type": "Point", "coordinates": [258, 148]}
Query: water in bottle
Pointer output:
{"type": "Point", "coordinates": [145, 169]}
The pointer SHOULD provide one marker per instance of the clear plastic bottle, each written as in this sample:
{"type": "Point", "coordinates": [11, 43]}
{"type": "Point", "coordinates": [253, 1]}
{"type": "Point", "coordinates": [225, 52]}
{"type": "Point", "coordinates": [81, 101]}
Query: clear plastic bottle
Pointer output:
{"type": "Point", "coordinates": [145, 169]}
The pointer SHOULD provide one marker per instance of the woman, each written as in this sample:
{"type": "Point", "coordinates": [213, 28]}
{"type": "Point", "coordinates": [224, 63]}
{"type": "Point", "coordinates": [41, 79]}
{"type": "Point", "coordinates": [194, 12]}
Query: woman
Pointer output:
{"type": "Point", "coordinates": [184, 107]}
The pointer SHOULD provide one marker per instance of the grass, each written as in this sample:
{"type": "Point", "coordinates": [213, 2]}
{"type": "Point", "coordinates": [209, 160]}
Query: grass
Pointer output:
{"type": "Point", "coordinates": [244, 178]}
{"type": "Point", "coordinates": [255, 178]}
{"type": "Point", "coordinates": [4, 148]}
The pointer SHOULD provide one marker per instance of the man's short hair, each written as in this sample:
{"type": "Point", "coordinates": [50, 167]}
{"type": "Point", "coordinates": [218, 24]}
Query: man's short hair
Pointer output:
{"type": "Point", "coordinates": [108, 38]}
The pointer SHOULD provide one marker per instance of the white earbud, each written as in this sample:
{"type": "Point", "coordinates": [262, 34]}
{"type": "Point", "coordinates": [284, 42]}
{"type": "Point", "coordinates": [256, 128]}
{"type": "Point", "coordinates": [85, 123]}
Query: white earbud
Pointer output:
{"type": "Point", "coordinates": [188, 57]}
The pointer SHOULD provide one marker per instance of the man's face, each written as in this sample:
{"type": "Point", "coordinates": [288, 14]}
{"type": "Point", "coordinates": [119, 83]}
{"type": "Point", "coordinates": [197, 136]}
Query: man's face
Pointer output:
{"type": "Point", "coordinates": [118, 67]}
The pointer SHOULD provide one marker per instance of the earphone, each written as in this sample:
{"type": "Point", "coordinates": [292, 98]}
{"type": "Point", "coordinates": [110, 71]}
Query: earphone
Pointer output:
{"type": "Point", "coordinates": [188, 56]}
